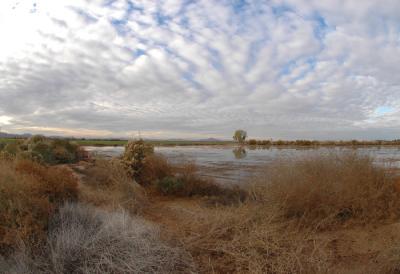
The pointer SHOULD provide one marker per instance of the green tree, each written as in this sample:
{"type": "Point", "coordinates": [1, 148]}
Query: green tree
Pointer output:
{"type": "Point", "coordinates": [240, 136]}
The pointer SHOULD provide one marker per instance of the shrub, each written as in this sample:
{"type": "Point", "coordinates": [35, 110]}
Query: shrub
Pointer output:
{"type": "Point", "coordinates": [44, 150]}
{"type": "Point", "coordinates": [252, 142]}
{"type": "Point", "coordinates": [264, 142]}
{"type": "Point", "coordinates": [193, 184]}
{"type": "Point", "coordinates": [134, 156]}
{"type": "Point", "coordinates": [29, 195]}
{"type": "Point", "coordinates": [23, 216]}
{"type": "Point", "coordinates": [51, 151]}
{"type": "Point", "coordinates": [170, 185]}
{"type": "Point", "coordinates": [61, 155]}
{"type": "Point", "coordinates": [30, 155]}
{"type": "Point", "coordinates": [65, 151]}
{"type": "Point", "coordinates": [56, 183]}
{"type": "Point", "coordinates": [155, 167]}
{"type": "Point", "coordinates": [108, 184]}
{"type": "Point", "coordinates": [35, 139]}
{"type": "Point", "coordinates": [83, 239]}
{"type": "Point", "coordinates": [12, 148]}
{"type": "Point", "coordinates": [183, 181]}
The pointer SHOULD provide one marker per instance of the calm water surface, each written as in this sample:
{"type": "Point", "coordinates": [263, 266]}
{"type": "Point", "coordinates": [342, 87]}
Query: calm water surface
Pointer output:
{"type": "Point", "coordinates": [233, 165]}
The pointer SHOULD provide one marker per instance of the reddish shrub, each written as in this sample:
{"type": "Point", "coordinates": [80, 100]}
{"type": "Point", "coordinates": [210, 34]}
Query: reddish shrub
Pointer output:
{"type": "Point", "coordinates": [57, 183]}
{"type": "Point", "coordinates": [29, 195]}
{"type": "Point", "coordinates": [155, 167]}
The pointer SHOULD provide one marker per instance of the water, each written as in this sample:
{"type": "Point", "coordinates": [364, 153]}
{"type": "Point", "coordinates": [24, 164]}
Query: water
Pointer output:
{"type": "Point", "coordinates": [233, 165]}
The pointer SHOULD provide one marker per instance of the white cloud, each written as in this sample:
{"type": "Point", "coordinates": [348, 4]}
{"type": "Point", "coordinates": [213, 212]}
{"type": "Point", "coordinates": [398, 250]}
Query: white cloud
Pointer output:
{"type": "Point", "coordinates": [5, 120]}
{"type": "Point", "coordinates": [284, 68]}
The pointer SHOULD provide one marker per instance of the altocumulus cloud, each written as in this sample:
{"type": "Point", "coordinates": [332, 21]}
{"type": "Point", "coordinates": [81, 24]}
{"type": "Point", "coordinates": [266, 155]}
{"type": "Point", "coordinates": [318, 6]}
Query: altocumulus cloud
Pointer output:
{"type": "Point", "coordinates": [178, 68]}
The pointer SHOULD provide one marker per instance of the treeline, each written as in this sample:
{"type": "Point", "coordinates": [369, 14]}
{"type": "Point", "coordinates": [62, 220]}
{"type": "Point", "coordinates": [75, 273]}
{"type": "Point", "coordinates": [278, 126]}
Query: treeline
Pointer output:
{"type": "Point", "coordinates": [254, 142]}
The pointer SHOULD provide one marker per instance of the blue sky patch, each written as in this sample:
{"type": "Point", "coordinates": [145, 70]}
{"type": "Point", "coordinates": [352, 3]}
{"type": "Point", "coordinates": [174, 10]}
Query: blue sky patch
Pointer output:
{"type": "Point", "coordinates": [382, 110]}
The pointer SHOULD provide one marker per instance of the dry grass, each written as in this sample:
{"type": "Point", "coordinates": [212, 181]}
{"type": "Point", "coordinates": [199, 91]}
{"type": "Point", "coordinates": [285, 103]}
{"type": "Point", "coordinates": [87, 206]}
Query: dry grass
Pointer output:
{"type": "Point", "coordinates": [324, 190]}
{"type": "Point", "coordinates": [107, 184]}
{"type": "Point", "coordinates": [248, 239]}
{"type": "Point", "coordinates": [284, 226]}
{"type": "Point", "coordinates": [293, 220]}
{"type": "Point", "coordinates": [389, 260]}
{"type": "Point", "coordinates": [83, 239]}
{"type": "Point", "coordinates": [29, 195]}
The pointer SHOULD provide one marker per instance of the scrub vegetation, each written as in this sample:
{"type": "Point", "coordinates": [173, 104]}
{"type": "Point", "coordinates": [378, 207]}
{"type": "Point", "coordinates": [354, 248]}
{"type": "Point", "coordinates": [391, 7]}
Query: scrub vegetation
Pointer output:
{"type": "Point", "coordinates": [250, 142]}
{"type": "Point", "coordinates": [313, 143]}
{"type": "Point", "coordinates": [335, 213]}
{"type": "Point", "coordinates": [41, 149]}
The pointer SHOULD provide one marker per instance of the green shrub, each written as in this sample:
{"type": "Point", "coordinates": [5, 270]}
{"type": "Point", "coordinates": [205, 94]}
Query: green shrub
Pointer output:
{"type": "Point", "coordinates": [37, 139]}
{"type": "Point", "coordinates": [170, 185]}
{"type": "Point", "coordinates": [12, 148]}
{"type": "Point", "coordinates": [51, 151]}
{"type": "Point", "coordinates": [44, 150]}
{"type": "Point", "coordinates": [61, 155]}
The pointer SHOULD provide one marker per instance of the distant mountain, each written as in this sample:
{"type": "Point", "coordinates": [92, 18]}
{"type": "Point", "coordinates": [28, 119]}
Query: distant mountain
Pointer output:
{"type": "Point", "coordinates": [210, 140]}
{"type": "Point", "coordinates": [27, 135]}
{"type": "Point", "coordinates": [11, 135]}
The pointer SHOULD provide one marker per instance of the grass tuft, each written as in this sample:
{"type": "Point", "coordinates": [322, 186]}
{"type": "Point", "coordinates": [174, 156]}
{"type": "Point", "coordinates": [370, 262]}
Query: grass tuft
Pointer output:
{"type": "Point", "coordinates": [83, 239]}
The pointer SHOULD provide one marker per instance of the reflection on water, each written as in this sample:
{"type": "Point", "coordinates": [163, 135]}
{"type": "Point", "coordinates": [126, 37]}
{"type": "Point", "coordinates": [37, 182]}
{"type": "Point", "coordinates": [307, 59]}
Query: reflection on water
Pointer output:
{"type": "Point", "coordinates": [229, 164]}
{"type": "Point", "coordinates": [239, 152]}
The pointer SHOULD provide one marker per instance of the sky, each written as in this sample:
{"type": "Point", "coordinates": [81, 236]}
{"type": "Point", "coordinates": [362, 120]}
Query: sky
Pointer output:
{"type": "Point", "coordinates": [291, 69]}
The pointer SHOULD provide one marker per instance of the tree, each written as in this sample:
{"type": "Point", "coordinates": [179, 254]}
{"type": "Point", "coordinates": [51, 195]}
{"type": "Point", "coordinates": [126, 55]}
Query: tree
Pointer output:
{"type": "Point", "coordinates": [240, 136]}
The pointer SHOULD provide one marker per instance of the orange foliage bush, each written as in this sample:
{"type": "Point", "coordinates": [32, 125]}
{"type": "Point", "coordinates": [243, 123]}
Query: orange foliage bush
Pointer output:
{"type": "Point", "coordinates": [29, 195]}
{"type": "Point", "coordinates": [56, 183]}
{"type": "Point", "coordinates": [156, 167]}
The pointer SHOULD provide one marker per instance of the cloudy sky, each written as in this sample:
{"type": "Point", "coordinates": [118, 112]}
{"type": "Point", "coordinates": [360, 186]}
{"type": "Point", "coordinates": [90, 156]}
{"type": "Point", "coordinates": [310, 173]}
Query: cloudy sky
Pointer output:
{"type": "Point", "coordinates": [323, 69]}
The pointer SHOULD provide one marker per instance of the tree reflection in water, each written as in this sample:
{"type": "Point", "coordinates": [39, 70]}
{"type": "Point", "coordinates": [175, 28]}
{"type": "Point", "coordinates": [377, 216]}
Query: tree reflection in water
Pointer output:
{"type": "Point", "coordinates": [239, 152]}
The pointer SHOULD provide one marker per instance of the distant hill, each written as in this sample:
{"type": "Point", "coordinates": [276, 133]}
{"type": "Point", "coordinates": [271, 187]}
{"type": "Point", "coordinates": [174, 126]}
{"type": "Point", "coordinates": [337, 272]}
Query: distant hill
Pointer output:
{"type": "Point", "coordinates": [11, 135]}
{"type": "Point", "coordinates": [210, 140]}
{"type": "Point", "coordinates": [27, 135]}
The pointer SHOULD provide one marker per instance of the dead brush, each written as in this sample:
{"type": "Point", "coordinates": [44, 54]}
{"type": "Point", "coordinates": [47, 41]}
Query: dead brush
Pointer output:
{"type": "Point", "coordinates": [29, 195]}
{"type": "Point", "coordinates": [108, 184]}
{"type": "Point", "coordinates": [56, 183]}
{"type": "Point", "coordinates": [280, 227]}
{"type": "Point", "coordinates": [247, 239]}
{"type": "Point", "coordinates": [155, 167]}
{"type": "Point", "coordinates": [325, 190]}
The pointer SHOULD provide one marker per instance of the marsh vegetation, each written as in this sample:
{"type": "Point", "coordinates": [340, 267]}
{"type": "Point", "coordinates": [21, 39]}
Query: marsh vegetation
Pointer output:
{"type": "Point", "coordinates": [141, 213]}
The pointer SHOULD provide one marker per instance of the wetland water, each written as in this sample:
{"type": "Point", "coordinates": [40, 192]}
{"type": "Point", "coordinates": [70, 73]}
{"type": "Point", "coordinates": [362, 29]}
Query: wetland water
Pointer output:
{"type": "Point", "coordinates": [232, 165]}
